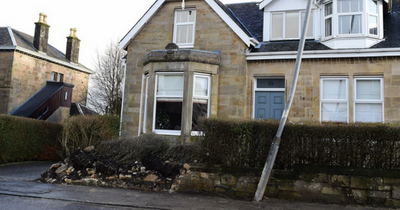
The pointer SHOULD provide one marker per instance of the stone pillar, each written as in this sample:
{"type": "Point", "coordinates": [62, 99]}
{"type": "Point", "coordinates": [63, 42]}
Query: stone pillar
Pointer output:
{"type": "Point", "coordinates": [187, 107]}
{"type": "Point", "coordinates": [40, 40]}
{"type": "Point", "coordinates": [72, 52]}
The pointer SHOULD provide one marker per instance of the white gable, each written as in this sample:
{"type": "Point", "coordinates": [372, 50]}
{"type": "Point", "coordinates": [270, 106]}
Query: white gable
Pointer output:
{"type": "Point", "coordinates": [156, 6]}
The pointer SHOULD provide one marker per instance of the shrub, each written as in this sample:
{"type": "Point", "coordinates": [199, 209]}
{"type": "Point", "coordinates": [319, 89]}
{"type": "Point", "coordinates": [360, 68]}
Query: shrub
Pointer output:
{"type": "Point", "coordinates": [246, 143]}
{"type": "Point", "coordinates": [28, 139]}
{"type": "Point", "coordinates": [127, 151]}
{"type": "Point", "coordinates": [83, 131]}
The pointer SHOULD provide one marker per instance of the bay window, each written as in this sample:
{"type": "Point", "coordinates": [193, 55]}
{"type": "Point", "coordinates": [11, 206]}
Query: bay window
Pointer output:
{"type": "Point", "coordinates": [368, 99]}
{"type": "Point", "coordinates": [201, 97]}
{"type": "Point", "coordinates": [334, 99]}
{"type": "Point", "coordinates": [169, 102]}
{"type": "Point", "coordinates": [345, 17]}
{"type": "Point", "coordinates": [168, 106]}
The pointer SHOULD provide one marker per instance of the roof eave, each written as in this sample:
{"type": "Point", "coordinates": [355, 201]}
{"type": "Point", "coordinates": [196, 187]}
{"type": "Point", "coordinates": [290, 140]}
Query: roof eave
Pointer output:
{"type": "Point", "coordinates": [354, 53]}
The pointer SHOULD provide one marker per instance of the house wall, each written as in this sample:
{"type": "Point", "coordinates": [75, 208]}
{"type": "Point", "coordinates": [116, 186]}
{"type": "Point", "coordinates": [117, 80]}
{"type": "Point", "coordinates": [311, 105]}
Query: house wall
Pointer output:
{"type": "Point", "coordinates": [6, 60]}
{"type": "Point", "coordinates": [30, 74]}
{"type": "Point", "coordinates": [306, 103]}
{"type": "Point", "coordinates": [212, 34]}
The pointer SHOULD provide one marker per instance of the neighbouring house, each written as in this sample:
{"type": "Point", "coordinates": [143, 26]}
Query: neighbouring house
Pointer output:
{"type": "Point", "coordinates": [196, 58]}
{"type": "Point", "coordinates": [36, 79]}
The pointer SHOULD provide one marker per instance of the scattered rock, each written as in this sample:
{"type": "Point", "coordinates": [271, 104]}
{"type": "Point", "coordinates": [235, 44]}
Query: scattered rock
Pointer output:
{"type": "Point", "coordinates": [84, 167]}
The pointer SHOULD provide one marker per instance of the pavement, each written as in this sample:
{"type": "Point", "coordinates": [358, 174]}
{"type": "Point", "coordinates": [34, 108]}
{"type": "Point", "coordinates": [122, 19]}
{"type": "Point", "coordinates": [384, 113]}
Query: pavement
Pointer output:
{"type": "Point", "coordinates": [17, 181]}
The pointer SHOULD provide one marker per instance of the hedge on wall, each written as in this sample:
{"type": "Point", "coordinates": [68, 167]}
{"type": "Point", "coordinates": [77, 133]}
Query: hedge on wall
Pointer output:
{"type": "Point", "coordinates": [246, 143]}
{"type": "Point", "coordinates": [28, 139]}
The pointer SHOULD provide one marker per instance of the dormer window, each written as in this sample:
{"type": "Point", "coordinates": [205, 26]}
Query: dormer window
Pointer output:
{"type": "Point", "coordinates": [346, 17]}
{"type": "Point", "coordinates": [184, 28]}
{"type": "Point", "coordinates": [288, 25]}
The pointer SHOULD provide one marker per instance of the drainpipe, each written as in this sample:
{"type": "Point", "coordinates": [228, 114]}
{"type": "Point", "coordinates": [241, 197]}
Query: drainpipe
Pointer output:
{"type": "Point", "coordinates": [277, 139]}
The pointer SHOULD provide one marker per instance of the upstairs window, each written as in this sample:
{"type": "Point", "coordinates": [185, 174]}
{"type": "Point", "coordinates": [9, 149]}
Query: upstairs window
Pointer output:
{"type": "Point", "coordinates": [288, 25]}
{"type": "Point", "coordinates": [351, 17]}
{"type": "Point", "coordinates": [184, 28]}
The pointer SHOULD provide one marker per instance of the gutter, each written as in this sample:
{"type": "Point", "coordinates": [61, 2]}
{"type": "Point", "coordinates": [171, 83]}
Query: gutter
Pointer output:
{"type": "Point", "coordinates": [324, 54]}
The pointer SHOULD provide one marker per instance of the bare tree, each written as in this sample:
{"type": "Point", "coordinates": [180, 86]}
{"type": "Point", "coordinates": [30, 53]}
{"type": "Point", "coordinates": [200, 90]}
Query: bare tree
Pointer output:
{"type": "Point", "coordinates": [105, 95]}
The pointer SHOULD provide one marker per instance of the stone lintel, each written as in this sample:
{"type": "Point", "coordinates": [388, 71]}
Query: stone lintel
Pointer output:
{"type": "Point", "coordinates": [182, 55]}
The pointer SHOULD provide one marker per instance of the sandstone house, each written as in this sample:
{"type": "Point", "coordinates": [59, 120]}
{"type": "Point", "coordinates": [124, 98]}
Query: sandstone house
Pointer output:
{"type": "Point", "coordinates": [30, 68]}
{"type": "Point", "coordinates": [194, 58]}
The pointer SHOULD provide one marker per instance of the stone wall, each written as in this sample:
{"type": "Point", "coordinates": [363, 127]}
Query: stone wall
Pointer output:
{"type": "Point", "coordinates": [30, 74]}
{"type": "Point", "coordinates": [306, 104]}
{"type": "Point", "coordinates": [6, 59]}
{"type": "Point", "coordinates": [312, 184]}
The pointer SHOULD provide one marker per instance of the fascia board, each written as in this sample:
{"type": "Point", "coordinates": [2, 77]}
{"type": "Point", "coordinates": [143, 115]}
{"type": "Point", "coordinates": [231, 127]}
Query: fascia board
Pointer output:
{"type": "Point", "coordinates": [245, 38]}
{"type": "Point", "coordinates": [54, 60]}
{"type": "Point", "coordinates": [264, 3]}
{"type": "Point", "coordinates": [140, 24]}
{"type": "Point", "coordinates": [324, 54]}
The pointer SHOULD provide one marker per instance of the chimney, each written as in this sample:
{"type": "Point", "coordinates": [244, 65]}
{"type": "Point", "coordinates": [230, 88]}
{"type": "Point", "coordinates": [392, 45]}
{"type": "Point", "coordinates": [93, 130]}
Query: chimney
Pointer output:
{"type": "Point", "coordinates": [73, 42]}
{"type": "Point", "coordinates": [41, 34]}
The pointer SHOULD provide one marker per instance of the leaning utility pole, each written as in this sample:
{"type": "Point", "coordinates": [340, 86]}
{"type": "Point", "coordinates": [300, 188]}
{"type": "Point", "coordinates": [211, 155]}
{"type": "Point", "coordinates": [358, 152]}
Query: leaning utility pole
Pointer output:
{"type": "Point", "coordinates": [277, 139]}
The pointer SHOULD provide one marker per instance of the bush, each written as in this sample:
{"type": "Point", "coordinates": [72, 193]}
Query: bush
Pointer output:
{"type": "Point", "coordinates": [127, 151]}
{"type": "Point", "coordinates": [83, 131]}
{"type": "Point", "coordinates": [28, 139]}
{"type": "Point", "coordinates": [246, 143]}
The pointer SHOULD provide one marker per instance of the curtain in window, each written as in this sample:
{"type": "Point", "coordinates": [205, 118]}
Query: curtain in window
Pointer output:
{"type": "Point", "coordinates": [368, 100]}
{"type": "Point", "coordinates": [334, 100]}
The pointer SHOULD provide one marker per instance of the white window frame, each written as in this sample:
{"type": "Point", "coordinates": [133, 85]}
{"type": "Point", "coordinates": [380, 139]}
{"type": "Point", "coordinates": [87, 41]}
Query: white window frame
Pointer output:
{"type": "Point", "coordinates": [300, 24]}
{"type": "Point", "coordinates": [369, 101]}
{"type": "Point", "coordinates": [160, 131]}
{"type": "Point", "coordinates": [197, 133]}
{"type": "Point", "coordinates": [330, 16]}
{"type": "Point", "coordinates": [365, 15]}
{"type": "Point", "coordinates": [176, 25]}
{"type": "Point", "coordinates": [322, 100]}
{"type": "Point", "coordinates": [369, 14]}
{"type": "Point", "coordinates": [146, 96]}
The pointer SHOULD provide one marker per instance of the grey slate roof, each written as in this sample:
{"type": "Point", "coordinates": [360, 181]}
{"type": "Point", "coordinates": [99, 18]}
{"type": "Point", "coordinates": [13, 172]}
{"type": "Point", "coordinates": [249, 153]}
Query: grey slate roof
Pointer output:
{"type": "Point", "coordinates": [26, 41]}
{"type": "Point", "coordinates": [251, 19]}
{"type": "Point", "coordinates": [30, 105]}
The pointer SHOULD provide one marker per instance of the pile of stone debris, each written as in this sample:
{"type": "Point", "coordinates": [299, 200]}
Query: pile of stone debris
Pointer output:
{"type": "Point", "coordinates": [85, 167]}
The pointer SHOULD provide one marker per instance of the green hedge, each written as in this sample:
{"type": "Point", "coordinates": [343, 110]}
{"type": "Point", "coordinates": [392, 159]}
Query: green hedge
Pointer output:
{"type": "Point", "coordinates": [28, 139]}
{"type": "Point", "coordinates": [242, 143]}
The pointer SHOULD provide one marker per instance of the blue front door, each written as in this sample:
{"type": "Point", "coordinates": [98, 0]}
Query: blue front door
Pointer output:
{"type": "Point", "coordinates": [269, 104]}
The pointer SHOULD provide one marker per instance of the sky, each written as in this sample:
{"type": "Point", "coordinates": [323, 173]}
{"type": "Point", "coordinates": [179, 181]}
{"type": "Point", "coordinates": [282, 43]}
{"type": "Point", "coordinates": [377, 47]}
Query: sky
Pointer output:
{"type": "Point", "coordinates": [98, 22]}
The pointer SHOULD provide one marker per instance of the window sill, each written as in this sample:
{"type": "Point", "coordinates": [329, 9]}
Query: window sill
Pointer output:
{"type": "Point", "coordinates": [167, 132]}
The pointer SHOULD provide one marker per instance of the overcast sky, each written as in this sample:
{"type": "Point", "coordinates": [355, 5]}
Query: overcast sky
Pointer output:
{"type": "Point", "coordinates": [97, 22]}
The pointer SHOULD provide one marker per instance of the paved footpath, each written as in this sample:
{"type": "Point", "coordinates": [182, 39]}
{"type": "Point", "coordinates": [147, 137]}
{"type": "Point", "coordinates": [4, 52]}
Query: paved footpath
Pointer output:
{"type": "Point", "coordinates": [17, 182]}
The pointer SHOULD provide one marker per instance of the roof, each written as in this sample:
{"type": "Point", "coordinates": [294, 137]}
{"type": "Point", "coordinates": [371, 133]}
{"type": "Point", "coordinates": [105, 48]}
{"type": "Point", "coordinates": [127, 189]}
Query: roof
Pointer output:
{"type": "Point", "coordinates": [11, 39]}
{"type": "Point", "coordinates": [29, 106]}
{"type": "Point", "coordinates": [80, 109]}
{"type": "Point", "coordinates": [223, 11]}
